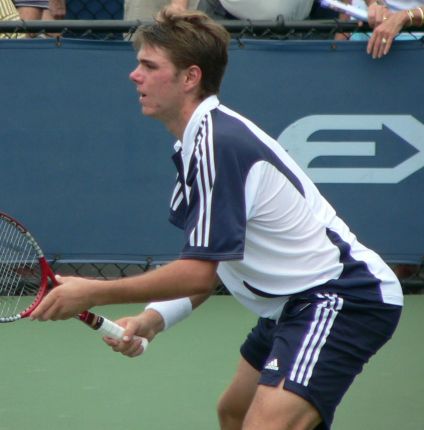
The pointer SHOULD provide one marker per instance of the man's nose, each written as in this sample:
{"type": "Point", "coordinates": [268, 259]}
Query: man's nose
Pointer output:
{"type": "Point", "coordinates": [135, 75]}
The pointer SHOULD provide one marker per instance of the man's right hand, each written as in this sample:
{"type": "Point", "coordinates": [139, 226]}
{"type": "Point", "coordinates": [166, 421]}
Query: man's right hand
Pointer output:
{"type": "Point", "coordinates": [145, 325]}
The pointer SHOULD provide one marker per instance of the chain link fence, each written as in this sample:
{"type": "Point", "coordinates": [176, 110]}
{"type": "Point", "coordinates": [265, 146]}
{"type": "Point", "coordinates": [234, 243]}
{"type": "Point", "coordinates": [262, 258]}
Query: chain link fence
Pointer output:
{"type": "Point", "coordinates": [83, 16]}
{"type": "Point", "coordinates": [102, 20]}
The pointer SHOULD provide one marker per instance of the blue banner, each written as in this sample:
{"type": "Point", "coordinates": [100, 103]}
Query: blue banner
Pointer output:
{"type": "Point", "coordinates": [91, 177]}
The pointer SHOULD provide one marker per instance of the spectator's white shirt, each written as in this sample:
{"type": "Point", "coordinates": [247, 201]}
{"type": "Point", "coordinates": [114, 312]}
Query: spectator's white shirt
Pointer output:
{"type": "Point", "coordinates": [268, 9]}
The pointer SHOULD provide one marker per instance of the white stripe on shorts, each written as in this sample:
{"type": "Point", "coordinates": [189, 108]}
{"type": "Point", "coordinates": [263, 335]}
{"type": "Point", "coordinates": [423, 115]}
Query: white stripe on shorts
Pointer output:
{"type": "Point", "coordinates": [313, 343]}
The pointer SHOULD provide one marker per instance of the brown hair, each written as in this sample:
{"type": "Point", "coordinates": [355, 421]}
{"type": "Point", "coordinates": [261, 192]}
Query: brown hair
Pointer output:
{"type": "Point", "coordinates": [190, 38]}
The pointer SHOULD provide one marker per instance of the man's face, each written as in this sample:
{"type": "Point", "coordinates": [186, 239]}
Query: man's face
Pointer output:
{"type": "Point", "coordinates": [158, 83]}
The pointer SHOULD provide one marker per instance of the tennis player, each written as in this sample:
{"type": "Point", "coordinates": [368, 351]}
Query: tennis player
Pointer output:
{"type": "Point", "coordinates": [253, 219]}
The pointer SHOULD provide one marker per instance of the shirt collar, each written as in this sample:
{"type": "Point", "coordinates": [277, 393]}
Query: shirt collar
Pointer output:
{"type": "Point", "coordinates": [193, 124]}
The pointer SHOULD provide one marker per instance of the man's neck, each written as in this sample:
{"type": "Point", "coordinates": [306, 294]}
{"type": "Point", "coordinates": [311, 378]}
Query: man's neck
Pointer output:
{"type": "Point", "coordinates": [178, 124]}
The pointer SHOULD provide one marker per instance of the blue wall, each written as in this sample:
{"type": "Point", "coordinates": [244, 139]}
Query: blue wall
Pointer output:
{"type": "Point", "coordinates": [92, 178]}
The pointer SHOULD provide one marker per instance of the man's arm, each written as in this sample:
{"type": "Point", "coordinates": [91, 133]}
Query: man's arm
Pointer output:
{"type": "Point", "coordinates": [147, 324]}
{"type": "Point", "coordinates": [150, 322]}
{"type": "Point", "coordinates": [181, 278]}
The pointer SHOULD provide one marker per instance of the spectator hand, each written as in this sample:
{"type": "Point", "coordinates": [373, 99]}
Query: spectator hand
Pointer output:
{"type": "Point", "coordinates": [383, 35]}
{"type": "Point", "coordinates": [377, 13]}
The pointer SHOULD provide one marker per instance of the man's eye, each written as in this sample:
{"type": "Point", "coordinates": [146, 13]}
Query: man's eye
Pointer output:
{"type": "Point", "coordinates": [149, 66]}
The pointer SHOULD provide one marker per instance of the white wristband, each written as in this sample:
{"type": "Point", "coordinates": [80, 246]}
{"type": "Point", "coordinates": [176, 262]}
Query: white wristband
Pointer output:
{"type": "Point", "coordinates": [172, 311]}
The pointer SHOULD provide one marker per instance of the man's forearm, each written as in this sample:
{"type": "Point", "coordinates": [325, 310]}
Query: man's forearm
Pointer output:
{"type": "Point", "coordinates": [181, 278]}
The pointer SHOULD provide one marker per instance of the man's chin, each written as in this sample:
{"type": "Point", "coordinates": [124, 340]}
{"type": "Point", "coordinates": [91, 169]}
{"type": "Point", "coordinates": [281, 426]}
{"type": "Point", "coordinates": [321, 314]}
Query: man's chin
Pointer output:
{"type": "Point", "coordinates": [145, 110]}
{"type": "Point", "coordinates": [149, 112]}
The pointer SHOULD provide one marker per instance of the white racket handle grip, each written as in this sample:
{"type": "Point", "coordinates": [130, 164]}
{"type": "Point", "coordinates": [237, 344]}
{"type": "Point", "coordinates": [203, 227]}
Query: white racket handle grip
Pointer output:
{"type": "Point", "coordinates": [115, 331]}
{"type": "Point", "coordinates": [111, 329]}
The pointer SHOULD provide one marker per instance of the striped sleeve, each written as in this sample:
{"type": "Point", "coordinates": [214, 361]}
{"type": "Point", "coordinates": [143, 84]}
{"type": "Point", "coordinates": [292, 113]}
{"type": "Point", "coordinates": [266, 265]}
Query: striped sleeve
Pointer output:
{"type": "Point", "coordinates": [205, 177]}
{"type": "Point", "coordinates": [215, 225]}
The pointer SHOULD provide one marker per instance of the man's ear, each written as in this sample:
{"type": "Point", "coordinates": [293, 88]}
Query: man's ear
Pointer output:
{"type": "Point", "coordinates": [193, 77]}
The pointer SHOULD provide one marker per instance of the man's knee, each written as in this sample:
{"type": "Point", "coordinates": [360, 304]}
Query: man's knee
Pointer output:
{"type": "Point", "coordinates": [236, 400]}
{"type": "Point", "coordinates": [230, 412]}
{"type": "Point", "coordinates": [276, 408]}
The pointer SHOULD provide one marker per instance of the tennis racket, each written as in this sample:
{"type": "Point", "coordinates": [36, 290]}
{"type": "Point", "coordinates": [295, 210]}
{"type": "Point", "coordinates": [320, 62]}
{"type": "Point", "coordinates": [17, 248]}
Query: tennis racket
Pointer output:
{"type": "Point", "coordinates": [25, 278]}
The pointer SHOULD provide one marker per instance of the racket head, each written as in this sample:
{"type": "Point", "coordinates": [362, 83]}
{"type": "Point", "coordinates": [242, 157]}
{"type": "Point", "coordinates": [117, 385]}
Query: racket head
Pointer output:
{"type": "Point", "coordinates": [24, 271]}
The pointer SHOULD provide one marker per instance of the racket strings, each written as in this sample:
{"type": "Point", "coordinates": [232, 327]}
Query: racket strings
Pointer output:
{"type": "Point", "coordinates": [19, 271]}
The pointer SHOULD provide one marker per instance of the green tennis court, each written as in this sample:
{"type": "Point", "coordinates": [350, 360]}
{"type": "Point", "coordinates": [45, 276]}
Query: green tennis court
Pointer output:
{"type": "Point", "coordinates": [60, 375]}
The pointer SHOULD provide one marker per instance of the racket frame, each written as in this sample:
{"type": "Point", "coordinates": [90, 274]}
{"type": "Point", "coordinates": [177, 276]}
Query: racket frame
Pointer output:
{"type": "Point", "coordinates": [96, 322]}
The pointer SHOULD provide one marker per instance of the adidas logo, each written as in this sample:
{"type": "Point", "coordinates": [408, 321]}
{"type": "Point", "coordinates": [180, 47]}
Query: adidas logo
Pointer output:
{"type": "Point", "coordinates": [272, 365]}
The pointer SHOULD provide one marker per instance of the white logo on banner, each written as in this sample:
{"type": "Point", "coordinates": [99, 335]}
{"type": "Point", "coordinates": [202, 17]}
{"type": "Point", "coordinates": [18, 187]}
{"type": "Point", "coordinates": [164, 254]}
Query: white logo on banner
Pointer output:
{"type": "Point", "coordinates": [295, 140]}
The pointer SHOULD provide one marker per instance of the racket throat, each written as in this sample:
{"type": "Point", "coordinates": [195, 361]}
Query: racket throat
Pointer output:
{"type": "Point", "coordinates": [92, 320]}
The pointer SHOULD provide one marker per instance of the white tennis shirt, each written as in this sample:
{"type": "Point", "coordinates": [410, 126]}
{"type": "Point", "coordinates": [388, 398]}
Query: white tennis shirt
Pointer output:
{"type": "Point", "coordinates": [242, 200]}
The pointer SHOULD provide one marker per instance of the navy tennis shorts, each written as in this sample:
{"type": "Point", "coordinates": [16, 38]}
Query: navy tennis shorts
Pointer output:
{"type": "Point", "coordinates": [319, 344]}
